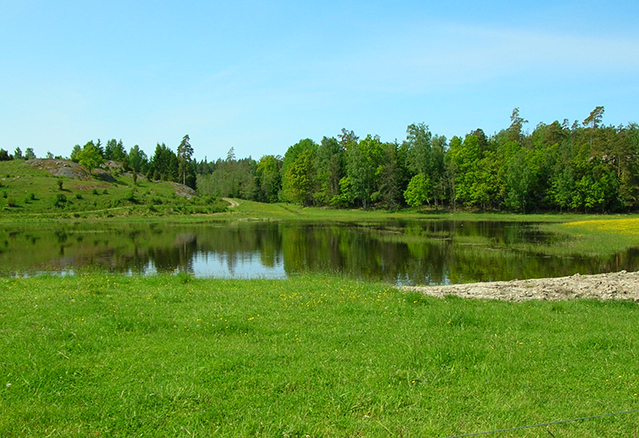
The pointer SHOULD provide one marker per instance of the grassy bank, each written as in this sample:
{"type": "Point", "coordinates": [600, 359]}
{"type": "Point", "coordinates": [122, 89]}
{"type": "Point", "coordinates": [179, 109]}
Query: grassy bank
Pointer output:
{"type": "Point", "coordinates": [170, 356]}
{"type": "Point", "coordinates": [597, 236]}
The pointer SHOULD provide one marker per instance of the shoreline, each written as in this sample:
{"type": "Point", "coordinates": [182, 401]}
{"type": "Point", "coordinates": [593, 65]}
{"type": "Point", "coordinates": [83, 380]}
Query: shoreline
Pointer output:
{"type": "Point", "coordinates": [612, 286]}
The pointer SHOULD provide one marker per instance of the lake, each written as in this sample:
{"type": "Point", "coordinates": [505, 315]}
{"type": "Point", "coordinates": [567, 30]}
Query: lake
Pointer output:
{"type": "Point", "coordinates": [397, 252]}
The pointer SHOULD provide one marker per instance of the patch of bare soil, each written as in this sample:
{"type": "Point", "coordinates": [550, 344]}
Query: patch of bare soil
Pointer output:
{"type": "Point", "coordinates": [614, 286]}
{"type": "Point", "coordinates": [232, 202]}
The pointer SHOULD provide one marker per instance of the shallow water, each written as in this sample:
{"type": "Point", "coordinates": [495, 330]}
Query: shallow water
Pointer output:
{"type": "Point", "coordinates": [397, 252]}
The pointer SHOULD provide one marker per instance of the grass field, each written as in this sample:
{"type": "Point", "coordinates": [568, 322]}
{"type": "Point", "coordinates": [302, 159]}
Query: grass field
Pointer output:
{"type": "Point", "coordinates": [172, 356]}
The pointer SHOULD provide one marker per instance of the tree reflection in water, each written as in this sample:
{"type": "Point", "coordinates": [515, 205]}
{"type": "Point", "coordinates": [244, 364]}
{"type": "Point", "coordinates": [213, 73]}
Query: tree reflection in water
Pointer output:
{"type": "Point", "coordinates": [398, 252]}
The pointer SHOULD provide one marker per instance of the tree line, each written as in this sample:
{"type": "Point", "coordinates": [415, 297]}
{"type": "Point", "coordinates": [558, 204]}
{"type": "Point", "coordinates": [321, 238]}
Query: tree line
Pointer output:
{"type": "Point", "coordinates": [164, 165]}
{"type": "Point", "coordinates": [584, 167]}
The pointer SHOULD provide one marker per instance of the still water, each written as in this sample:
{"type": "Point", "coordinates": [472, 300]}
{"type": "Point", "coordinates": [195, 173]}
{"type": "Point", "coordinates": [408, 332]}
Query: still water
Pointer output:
{"type": "Point", "coordinates": [398, 252]}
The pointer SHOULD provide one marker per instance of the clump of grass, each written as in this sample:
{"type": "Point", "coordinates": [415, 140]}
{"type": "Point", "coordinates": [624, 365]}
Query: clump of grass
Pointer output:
{"type": "Point", "coordinates": [319, 356]}
{"type": "Point", "coordinates": [184, 277]}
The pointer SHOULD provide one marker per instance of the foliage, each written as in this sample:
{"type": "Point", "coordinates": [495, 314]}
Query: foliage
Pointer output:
{"type": "Point", "coordinates": [298, 172]}
{"type": "Point", "coordinates": [231, 178]}
{"type": "Point", "coordinates": [584, 167]}
{"type": "Point", "coordinates": [91, 156]}
{"type": "Point", "coordinates": [164, 164]}
{"type": "Point", "coordinates": [418, 190]}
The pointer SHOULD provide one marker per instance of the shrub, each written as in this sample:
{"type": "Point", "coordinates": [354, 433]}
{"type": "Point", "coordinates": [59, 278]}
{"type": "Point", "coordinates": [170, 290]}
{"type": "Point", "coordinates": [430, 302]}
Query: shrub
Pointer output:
{"type": "Point", "coordinates": [60, 201]}
{"type": "Point", "coordinates": [131, 197]}
{"type": "Point", "coordinates": [60, 184]}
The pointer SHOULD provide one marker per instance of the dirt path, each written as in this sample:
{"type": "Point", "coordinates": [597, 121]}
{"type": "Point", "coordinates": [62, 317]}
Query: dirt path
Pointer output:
{"type": "Point", "coordinates": [232, 202]}
{"type": "Point", "coordinates": [614, 286]}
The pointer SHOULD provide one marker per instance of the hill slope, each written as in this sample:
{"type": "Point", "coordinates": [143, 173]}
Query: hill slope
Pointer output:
{"type": "Point", "coordinates": [60, 187]}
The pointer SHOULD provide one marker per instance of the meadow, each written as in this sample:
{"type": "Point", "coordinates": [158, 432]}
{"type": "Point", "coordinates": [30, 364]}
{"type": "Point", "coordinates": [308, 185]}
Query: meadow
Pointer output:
{"type": "Point", "coordinates": [174, 356]}
{"type": "Point", "coordinates": [314, 355]}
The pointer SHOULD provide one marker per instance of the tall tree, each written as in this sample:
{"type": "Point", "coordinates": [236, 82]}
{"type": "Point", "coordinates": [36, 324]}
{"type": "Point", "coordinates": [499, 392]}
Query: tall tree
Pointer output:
{"type": "Point", "coordinates": [295, 185]}
{"type": "Point", "coordinates": [299, 177]}
{"type": "Point", "coordinates": [418, 142]}
{"type": "Point", "coordinates": [514, 131]}
{"type": "Point", "coordinates": [114, 150]}
{"type": "Point", "coordinates": [593, 121]}
{"type": "Point", "coordinates": [164, 164]}
{"type": "Point", "coordinates": [391, 176]}
{"type": "Point", "coordinates": [363, 162]}
{"type": "Point", "coordinates": [184, 153]}
{"type": "Point", "coordinates": [269, 180]}
{"type": "Point", "coordinates": [137, 160]}
{"type": "Point", "coordinates": [329, 169]}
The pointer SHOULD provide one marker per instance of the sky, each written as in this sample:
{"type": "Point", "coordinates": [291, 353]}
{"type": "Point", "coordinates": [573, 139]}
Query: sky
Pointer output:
{"type": "Point", "coordinates": [258, 76]}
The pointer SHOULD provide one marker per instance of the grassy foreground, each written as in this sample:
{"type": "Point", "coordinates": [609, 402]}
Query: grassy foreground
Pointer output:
{"type": "Point", "coordinates": [171, 356]}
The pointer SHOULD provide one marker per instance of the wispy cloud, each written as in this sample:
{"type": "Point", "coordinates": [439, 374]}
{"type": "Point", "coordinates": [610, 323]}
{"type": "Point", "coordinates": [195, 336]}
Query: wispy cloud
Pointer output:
{"type": "Point", "coordinates": [436, 56]}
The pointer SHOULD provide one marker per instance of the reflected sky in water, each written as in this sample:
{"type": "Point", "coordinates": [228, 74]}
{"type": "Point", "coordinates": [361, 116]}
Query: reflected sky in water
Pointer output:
{"type": "Point", "coordinates": [397, 252]}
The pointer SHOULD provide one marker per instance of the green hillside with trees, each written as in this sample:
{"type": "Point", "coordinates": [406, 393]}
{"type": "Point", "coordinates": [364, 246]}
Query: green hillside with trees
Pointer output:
{"type": "Point", "coordinates": [583, 167]}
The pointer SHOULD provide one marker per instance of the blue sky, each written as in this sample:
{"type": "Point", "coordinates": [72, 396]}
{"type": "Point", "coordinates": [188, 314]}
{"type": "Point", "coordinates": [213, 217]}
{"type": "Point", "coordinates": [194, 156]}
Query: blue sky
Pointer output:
{"type": "Point", "coordinates": [259, 76]}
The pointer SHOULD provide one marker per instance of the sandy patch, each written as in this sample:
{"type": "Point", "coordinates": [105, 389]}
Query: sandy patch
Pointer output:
{"type": "Point", "coordinates": [614, 286]}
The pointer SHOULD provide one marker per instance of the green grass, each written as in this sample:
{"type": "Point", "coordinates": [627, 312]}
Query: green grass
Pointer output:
{"type": "Point", "coordinates": [172, 356]}
{"type": "Point", "coordinates": [594, 236]}
{"type": "Point", "coordinates": [251, 209]}
{"type": "Point", "coordinates": [35, 194]}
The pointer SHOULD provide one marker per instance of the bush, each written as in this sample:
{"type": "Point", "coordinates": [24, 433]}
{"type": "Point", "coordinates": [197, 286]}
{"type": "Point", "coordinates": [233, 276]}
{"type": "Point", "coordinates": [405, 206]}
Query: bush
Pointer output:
{"type": "Point", "coordinates": [11, 202]}
{"type": "Point", "coordinates": [60, 184]}
{"type": "Point", "coordinates": [60, 201]}
{"type": "Point", "coordinates": [78, 196]}
{"type": "Point", "coordinates": [131, 197]}
{"type": "Point", "coordinates": [30, 197]}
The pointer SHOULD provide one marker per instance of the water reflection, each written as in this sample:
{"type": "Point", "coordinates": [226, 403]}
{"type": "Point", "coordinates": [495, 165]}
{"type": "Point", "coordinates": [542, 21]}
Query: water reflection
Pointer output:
{"type": "Point", "coordinates": [398, 252]}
